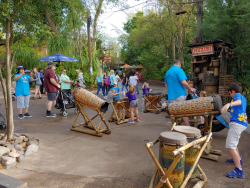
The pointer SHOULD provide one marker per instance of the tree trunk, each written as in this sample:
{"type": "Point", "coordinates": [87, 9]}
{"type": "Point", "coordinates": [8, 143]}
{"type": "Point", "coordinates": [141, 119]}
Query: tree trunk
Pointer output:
{"type": "Point", "coordinates": [173, 46]}
{"type": "Point", "coordinates": [199, 21]}
{"type": "Point", "coordinates": [51, 23]}
{"type": "Point", "coordinates": [98, 11]}
{"type": "Point", "coordinates": [9, 112]}
{"type": "Point", "coordinates": [89, 48]}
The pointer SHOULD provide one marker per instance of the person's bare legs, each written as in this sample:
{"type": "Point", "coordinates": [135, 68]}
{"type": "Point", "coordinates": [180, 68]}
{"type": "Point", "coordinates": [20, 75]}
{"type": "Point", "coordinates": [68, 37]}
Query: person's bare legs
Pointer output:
{"type": "Point", "coordinates": [39, 92]}
{"type": "Point", "coordinates": [49, 105]}
{"type": "Point", "coordinates": [235, 156]}
{"type": "Point", "coordinates": [35, 92]}
{"type": "Point", "coordinates": [26, 110]}
{"type": "Point", "coordinates": [144, 104]}
{"type": "Point", "coordinates": [136, 112]}
{"type": "Point", "coordinates": [186, 121]}
{"type": "Point", "coordinates": [132, 114]}
{"type": "Point", "coordinates": [20, 111]}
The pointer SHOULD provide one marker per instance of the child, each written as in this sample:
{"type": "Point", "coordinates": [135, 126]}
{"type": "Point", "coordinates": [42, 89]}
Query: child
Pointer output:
{"type": "Point", "coordinates": [238, 124]}
{"type": "Point", "coordinates": [145, 90]}
{"type": "Point", "coordinates": [115, 91]}
{"type": "Point", "coordinates": [131, 95]}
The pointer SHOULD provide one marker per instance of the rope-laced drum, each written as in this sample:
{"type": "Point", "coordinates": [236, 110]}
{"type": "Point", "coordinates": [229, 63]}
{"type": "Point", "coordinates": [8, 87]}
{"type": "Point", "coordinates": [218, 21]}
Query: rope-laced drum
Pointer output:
{"type": "Point", "coordinates": [154, 101]}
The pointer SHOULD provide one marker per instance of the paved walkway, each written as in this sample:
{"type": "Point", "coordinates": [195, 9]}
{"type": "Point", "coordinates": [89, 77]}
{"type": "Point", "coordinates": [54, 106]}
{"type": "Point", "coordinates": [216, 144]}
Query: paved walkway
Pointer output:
{"type": "Point", "coordinates": [119, 160]}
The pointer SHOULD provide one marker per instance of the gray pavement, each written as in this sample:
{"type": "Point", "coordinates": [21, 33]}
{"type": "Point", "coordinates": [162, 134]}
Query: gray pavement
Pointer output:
{"type": "Point", "coordinates": [120, 160]}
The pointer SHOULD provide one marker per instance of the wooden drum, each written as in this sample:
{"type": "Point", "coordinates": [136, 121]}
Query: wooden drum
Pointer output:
{"type": "Point", "coordinates": [89, 99]}
{"type": "Point", "coordinates": [200, 105]}
{"type": "Point", "coordinates": [151, 96]}
{"type": "Point", "coordinates": [169, 141]}
{"type": "Point", "coordinates": [119, 107]}
{"type": "Point", "coordinates": [191, 154]}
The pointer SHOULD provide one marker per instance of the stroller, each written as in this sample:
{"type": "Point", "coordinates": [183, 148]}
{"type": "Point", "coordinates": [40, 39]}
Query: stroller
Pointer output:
{"type": "Point", "coordinates": [64, 102]}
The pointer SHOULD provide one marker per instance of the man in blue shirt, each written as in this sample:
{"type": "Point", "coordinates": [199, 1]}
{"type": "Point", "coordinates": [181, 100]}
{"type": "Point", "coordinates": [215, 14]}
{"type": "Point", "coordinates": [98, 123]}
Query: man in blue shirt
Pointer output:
{"type": "Point", "coordinates": [238, 124]}
{"type": "Point", "coordinates": [22, 92]}
{"type": "Point", "coordinates": [175, 82]}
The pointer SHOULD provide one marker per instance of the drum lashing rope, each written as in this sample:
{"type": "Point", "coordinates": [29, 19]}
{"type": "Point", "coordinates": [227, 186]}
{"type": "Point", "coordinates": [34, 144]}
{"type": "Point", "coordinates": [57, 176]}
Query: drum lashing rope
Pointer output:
{"type": "Point", "coordinates": [201, 176]}
{"type": "Point", "coordinates": [179, 153]}
{"type": "Point", "coordinates": [163, 181]}
{"type": "Point", "coordinates": [195, 142]}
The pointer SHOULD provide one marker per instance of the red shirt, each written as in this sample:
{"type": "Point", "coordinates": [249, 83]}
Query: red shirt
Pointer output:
{"type": "Point", "coordinates": [139, 78]}
{"type": "Point", "coordinates": [49, 87]}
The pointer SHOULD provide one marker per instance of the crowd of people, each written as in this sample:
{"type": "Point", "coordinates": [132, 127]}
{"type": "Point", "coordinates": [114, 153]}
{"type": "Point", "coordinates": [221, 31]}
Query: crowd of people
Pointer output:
{"type": "Point", "coordinates": [175, 82]}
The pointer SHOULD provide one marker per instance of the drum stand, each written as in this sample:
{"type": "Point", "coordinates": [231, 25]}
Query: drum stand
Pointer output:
{"type": "Point", "coordinates": [208, 152]}
{"type": "Point", "coordinates": [165, 173]}
{"type": "Point", "coordinates": [156, 108]}
{"type": "Point", "coordinates": [95, 130]}
{"type": "Point", "coordinates": [114, 116]}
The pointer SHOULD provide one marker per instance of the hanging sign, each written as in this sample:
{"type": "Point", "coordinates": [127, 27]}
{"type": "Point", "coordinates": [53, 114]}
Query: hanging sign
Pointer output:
{"type": "Point", "coordinates": [106, 59]}
{"type": "Point", "coordinates": [203, 50]}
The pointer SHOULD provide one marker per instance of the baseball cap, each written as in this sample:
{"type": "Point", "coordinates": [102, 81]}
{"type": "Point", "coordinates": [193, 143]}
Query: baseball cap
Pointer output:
{"type": "Point", "coordinates": [20, 67]}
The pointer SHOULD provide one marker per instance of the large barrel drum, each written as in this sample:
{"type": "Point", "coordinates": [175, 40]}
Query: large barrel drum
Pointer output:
{"type": "Point", "coordinates": [200, 105]}
{"type": "Point", "coordinates": [151, 96]}
{"type": "Point", "coordinates": [169, 141]}
{"type": "Point", "coordinates": [191, 154]}
{"type": "Point", "coordinates": [89, 99]}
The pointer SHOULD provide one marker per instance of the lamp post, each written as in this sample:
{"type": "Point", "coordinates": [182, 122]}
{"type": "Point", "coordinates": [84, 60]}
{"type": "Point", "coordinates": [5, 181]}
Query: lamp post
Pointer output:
{"type": "Point", "coordinates": [198, 17]}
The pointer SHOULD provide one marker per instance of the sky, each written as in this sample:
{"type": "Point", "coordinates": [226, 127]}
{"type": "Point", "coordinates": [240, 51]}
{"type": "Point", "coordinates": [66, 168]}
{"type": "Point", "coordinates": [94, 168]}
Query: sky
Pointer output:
{"type": "Point", "coordinates": [119, 18]}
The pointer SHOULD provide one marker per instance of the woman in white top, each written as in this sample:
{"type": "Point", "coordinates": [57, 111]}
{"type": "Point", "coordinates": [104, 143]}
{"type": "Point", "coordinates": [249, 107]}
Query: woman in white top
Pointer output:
{"type": "Point", "coordinates": [117, 78]}
{"type": "Point", "coordinates": [133, 79]}
{"type": "Point", "coordinates": [80, 79]}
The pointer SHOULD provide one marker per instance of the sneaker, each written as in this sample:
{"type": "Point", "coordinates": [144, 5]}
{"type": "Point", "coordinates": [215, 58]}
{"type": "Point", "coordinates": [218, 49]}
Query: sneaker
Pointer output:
{"type": "Point", "coordinates": [20, 116]}
{"type": "Point", "coordinates": [39, 97]}
{"type": "Point", "coordinates": [137, 120]}
{"type": "Point", "coordinates": [232, 162]}
{"type": "Point", "coordinates": [51, 115]}
{"type": "Point", "coordinates": [27, 115]}
{"type": "Point", "coordinates": [142, 109]}
{"type": "Point", "coordinates": [52, 107]}
{"type": "Point", "coordinates": [236, 173]}
{"type": "Point", "coordinates": [33, 98]}
{"type": "Point", "coordinates": [130, 121]}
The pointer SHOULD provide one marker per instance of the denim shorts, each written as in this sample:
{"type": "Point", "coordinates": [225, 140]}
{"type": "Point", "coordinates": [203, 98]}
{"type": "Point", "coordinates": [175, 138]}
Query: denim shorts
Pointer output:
{"type": "Point", "coordinates": [23, 101]}
{"type": "Point", "coordinates": [51, 96]}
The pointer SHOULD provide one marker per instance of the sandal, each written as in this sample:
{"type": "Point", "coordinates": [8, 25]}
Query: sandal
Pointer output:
{"type": "Point", "coordinates": [33, 98]}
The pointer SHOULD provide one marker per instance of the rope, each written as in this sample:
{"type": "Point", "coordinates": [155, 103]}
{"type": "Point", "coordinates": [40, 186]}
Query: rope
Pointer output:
{"type": "Point", "coordinates": [163, 181]}
{"type": "Point", "coordinates": [195, 142]}
{"type": "Point", "coordinates": [179, 153]}
{"type": "Point", "coordinates": [201, 176]}
{"type": "Point", "coordinates": [151, 143]}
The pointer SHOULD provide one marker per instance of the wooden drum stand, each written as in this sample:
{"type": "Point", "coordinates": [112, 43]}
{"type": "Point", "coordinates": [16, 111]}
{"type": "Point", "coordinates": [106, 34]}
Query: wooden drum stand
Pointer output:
{"type": "Point", "coordinates": [153, 99]}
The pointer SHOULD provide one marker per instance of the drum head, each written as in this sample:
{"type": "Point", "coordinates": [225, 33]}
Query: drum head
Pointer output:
{"type": "Point", "coordinates": [151, 93]}
{"type": "Point", "coordinates": [190, 132]}
{"type": "Point", "coordinates": [218, 103]}
{"type": "Point", "coordinates": [121, 100]}
{"type": "Point", "coordinates": [173, 138]}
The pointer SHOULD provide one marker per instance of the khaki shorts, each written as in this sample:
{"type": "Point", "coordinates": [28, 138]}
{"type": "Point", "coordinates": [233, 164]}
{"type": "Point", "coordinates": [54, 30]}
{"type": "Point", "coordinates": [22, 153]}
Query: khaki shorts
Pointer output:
{"type": "Point", "coordinates": [179, 99]}
{"type": "Point", "coordinates": [233, 135]}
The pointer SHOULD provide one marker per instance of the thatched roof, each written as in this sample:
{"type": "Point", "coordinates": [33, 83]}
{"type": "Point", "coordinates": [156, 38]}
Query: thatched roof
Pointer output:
{"type": "Point", "coordinates": [126, 66]}
{"type": "Point", "coordinates": [139, 67]}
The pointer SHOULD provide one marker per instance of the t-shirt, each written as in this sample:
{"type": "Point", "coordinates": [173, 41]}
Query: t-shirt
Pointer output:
{"type": "Point", "coordinates": [238, 113]}
{"type": "Point", "coordinates": [65, 85]}
{"type": "Point", "coordinates": [117, 78]}
{"type": "Point", "coordinates": [124, 80]}
{"type": "Point", "coordinates": [99, 79]}
{"type": "Point", "coordinates": [115, 90]}
{"type": "Point", "coordinates": [145, 91]}
{"type": "Point", "coordinates": [41, 74]}
{"type": "Point", "coordinates": [49, 87]}
{"type": "Point", "coordinates": [188, 76]}
{"type": "Point", "coordinates": [22, 85]}
{"type": "Point", "coordinates": [131, 97]}
{"type": "Point", "coordinates": [133, 80]}
{"type": "Point", "coordinates": [112, 78]}
{"type": "Point", "coordinates": [173, 79]}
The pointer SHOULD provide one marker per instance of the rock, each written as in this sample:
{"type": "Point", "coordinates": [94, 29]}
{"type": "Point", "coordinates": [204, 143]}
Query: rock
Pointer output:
{"type": "Point", "coordinates": [32, 143]}
{"type": "Point", "coordinates": [4, 151]}
{"type": "Point", "coordinates": [31, 149]}
{"type": "Point", "coordinates": [1, 166]}
{"type": "Point", "coordinates": [15, 144]}
{"type": "Point", "coordinates": [10, 146]}
{"type": "Point", "coordinates": [17, 135]}
{"type": "Point", "coordinates": [13, 150]}
{"type": "Point", "coordinates": [12, 142]}
{"type": "Point", "coordinates": [19, 147]}
{"type": "Point", "coordinates": [19, 139]}
{"type": "Point", "coordinates": [6, 144]}
{"type": "Point", "coordinates": [26, 139]}
{"type": "Point", "coordinates": [32, 139]}
{"type": "Point", "coordinates": [2, 142]}
{"type": "Point", "coordinates": [20, 152]}
{"type": "Point", "coordinates": [8, 160]}
{"type": "Point", "coordinates": [21, 158]}
{"type": "Point", "coordinates": [23, 137]}
{"type": "Point", "coordinates": [8, 166]}
{"type": "Point", "coordinates": [23, 144]}
{"type": "Point", "coordinates": [14, 154]}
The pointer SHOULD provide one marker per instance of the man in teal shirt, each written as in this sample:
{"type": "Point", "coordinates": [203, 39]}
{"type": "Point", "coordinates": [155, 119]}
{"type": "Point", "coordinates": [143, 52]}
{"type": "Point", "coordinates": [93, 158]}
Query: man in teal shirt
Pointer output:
{"type": "Point", "coordinates": [175, 82]}
{"type": "Point", "coordinates": [66, 83]}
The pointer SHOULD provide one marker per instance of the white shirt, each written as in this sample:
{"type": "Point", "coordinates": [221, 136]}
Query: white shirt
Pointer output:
{"type": "Point", "coordinates": [133, 80]}
{"type": "Point", "coordinates": [117, 78]}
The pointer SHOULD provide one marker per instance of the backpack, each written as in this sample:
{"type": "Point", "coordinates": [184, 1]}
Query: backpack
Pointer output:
{"type": "Point", "coordinates": [107, 81]}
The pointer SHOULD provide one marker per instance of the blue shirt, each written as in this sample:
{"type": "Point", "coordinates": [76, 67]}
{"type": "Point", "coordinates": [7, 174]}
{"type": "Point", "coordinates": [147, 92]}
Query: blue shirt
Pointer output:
{"type": "Point", "coordinates": [188, 76]}
{"type": "Point", "coordinates": [41, 74]}
{"type": "Point", "coordinates": [114, 91]}
{"type": "Point", "coordinates": [238, 113]}
{"type": "Point", "coordinates": [112, 77]}
{"type": "Point", "coordinates": [22, 85]}
{"type": "Point", "coordinates": [99, 79]}
{"type": "Point", "coordinates": [173, 79]}
{"type": "Point", "coordinates": [131, 97]}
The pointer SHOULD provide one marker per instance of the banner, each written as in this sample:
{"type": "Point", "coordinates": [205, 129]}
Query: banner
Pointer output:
{"type": "Point", "coordinates": [203, 50]}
